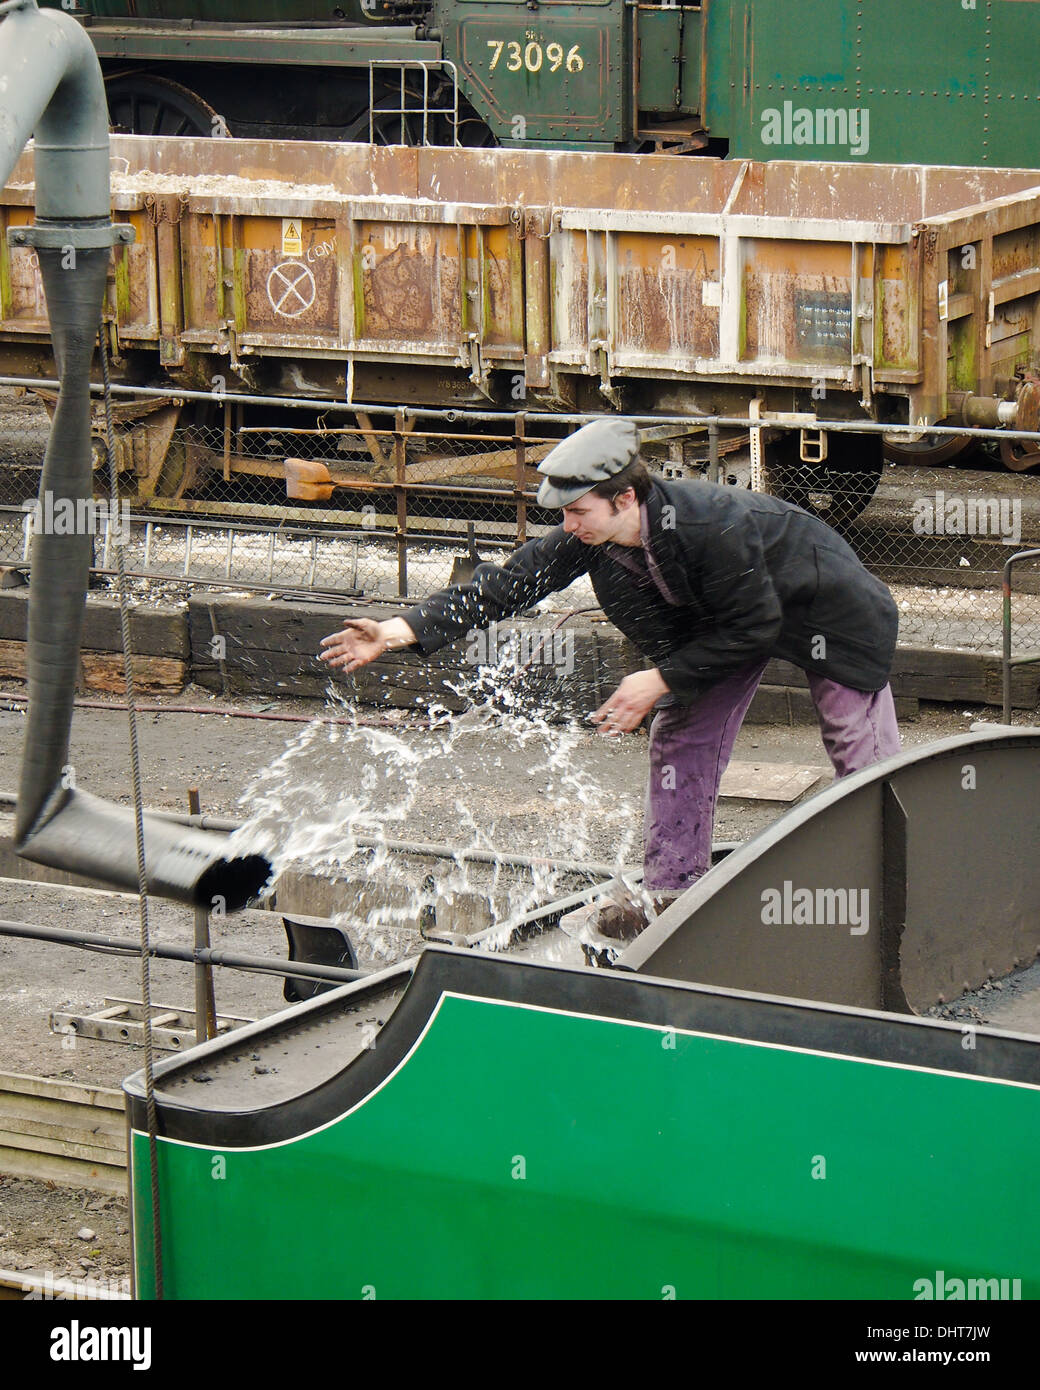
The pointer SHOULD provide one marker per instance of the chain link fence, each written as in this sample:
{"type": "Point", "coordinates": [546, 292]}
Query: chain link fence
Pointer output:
{"type": "Point", "coordinates": [399, 504]}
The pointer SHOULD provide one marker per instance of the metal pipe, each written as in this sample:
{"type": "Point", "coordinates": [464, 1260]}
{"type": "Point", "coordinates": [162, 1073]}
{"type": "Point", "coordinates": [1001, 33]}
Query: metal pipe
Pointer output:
{"type": "Point", "coordinates": [51, 87]}
{"type": "Point", "coordinates": [53, 90]}
{"type": "Point", "coordinates": [422, 723]}
{"type": "Point", "coordinates": [714, 463]}
{"type": "Point", "coordinates": [224, 825]}
{"type": "Point", "coordinates": [422, 850]}
{"type": "Point", "coordinates": [231, 960]}
{"type": "Point", "coordinates": [205, 999]}
{"type": "Point", "coordinates": [434, 851]}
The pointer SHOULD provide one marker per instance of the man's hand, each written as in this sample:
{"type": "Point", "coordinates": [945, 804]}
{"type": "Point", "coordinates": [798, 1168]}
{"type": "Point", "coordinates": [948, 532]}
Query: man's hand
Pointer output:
{"type": "Point", "coordinates": [363, 640]}
{"type": "Point", "coordinates": [633, 700]}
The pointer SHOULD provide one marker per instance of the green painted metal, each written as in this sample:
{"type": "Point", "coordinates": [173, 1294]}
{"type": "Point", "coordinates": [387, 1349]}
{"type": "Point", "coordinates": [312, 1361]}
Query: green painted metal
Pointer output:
{"type": "Point", "coordinates": [896, 81]}
{"type": "Point", "coordinates": [660, 59]}
{"type": "Point", "coordinates": [554, 75]}
{"type": "Point", "coordinates": [526, 1152]}
{"type": "Point", "coordinates": [347, 48]}
{"type": "Point", "coordinates": [937, 82]}
{"type": "Point", "coordinates": [228, 11]}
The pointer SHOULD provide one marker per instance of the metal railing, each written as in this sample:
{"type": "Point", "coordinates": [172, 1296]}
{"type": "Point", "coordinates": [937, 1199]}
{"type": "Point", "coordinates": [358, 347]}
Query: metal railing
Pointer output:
{"type": "Point", "coordinates": [412, 104]}
{"type": "Point", "coordinates": [1009, 662]}
{"type": "Point", "coordinates": [401, 492]}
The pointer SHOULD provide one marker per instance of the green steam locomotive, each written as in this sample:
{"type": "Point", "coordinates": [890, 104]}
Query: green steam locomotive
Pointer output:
{"type": "Point", "coordinates": [900, 81]}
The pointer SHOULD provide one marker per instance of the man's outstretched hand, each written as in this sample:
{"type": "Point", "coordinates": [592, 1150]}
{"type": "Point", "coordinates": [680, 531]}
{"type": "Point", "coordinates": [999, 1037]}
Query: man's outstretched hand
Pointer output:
{"type": "Point", "coordinates": [363, 640]}
{"type": "Point", "coordinates": [629, 705]}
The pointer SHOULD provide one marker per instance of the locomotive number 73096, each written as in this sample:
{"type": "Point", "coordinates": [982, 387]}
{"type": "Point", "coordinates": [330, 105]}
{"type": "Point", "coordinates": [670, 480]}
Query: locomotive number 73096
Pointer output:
{"type": "Point", "coordinates": [532, 56]}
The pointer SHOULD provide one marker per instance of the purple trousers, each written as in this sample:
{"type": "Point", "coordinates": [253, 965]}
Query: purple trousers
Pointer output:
{"type": "Point", "coordinates": [690, 746]}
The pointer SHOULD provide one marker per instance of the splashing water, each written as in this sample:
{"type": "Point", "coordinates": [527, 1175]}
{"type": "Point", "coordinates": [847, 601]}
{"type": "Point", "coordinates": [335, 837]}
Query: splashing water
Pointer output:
{"type": "Point", "coordinates": [329, 804]}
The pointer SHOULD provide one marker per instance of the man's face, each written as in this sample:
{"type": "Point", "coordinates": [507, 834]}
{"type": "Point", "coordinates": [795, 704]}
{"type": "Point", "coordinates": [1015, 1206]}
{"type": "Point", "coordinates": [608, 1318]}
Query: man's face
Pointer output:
{"type": "Point", "coordinates": [593, 519]}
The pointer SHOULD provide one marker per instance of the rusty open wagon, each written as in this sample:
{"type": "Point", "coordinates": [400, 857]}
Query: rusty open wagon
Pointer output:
{"type": "Point", "coordinates": [525, 281]}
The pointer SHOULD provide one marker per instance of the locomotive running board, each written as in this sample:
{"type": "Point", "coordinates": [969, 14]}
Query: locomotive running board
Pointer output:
{"type": "Point", "coordinates": [897, 888]}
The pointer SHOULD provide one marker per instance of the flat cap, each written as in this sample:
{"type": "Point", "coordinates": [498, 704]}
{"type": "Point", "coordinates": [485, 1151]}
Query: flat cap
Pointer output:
{"type": "Point", "coordinates": [589, 456]}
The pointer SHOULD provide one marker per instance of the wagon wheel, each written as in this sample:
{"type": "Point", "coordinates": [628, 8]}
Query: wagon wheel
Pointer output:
{"type": "Point", "coordinates": [178, 472]}
{"type": "Point", "coordinates": [838, 489]}
{"type": "Point", "coordinates": [144, 105]}
{"type": "Point", "coordinates": [929, 452]}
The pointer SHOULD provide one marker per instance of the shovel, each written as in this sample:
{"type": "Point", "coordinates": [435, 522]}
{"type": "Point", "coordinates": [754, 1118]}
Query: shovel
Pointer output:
{"type": "Point", "coordinates": [463, 566]}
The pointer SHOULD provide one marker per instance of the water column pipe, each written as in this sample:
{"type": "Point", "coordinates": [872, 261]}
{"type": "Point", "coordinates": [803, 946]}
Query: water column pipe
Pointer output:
{"type": "Point", "coordinates": [51, 88]}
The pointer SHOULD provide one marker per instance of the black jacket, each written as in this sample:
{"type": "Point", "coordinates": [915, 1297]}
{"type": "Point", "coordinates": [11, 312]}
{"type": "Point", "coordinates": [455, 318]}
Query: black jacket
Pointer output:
{"type": "Point", "coordinates": [752, 577]}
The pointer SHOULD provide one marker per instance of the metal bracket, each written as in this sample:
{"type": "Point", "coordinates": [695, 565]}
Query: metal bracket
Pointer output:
{"type": "Point", "coordinates": [758, 483]}
{"type": "Point", "coordinates": [477, 373]}
{"type": "Point", "coordinates": [80, 238]}
{"type": "Point", "coordinates": [316, 941]}
{"type": "Point", "coordinates": [813, 446]}
{"type": "Point", "coordinates": [599, 360]}
{"type": "Point", "coordinates": [169, 207]}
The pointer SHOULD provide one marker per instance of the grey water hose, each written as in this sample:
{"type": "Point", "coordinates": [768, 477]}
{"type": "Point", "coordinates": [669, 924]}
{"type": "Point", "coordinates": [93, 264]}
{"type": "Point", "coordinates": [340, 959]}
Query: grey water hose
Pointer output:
{"type": "Point", "coordinates": [51, 85]}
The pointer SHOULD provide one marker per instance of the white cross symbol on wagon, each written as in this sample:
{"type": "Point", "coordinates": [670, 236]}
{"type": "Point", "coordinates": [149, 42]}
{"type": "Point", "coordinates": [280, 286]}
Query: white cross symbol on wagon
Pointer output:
{"type": "Point", "coordinates": [291, 289]}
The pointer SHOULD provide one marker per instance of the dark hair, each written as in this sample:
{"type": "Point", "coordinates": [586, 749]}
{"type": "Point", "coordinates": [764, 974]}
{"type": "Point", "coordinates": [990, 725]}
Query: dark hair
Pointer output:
{"type": "Point", "coordinates": [635, 476]}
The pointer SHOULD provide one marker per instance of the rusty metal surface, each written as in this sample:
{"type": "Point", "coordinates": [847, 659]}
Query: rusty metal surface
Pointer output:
{"type": "Point", "coordinates": [922, 875]}
{"type": "Point", "coordinates": [554, 266]}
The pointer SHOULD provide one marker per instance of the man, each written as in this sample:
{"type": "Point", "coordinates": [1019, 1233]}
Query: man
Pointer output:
{"type": "Point", "coordinates": [709, 583]}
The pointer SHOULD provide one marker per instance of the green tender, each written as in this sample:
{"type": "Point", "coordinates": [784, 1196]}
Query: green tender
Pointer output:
{"type": "Point", "coordinates": [521, 1152]}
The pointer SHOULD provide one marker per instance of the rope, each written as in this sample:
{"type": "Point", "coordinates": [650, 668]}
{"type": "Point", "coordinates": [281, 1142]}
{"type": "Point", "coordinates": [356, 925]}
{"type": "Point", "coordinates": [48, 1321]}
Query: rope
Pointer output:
{"type": "Point", "coordinates": [135, 770]}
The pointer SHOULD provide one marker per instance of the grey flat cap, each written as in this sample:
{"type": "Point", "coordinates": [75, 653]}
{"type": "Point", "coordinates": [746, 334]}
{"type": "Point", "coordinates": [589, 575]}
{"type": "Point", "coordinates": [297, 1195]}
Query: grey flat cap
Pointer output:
{"type": "Point", "coordinates": [589, 456]}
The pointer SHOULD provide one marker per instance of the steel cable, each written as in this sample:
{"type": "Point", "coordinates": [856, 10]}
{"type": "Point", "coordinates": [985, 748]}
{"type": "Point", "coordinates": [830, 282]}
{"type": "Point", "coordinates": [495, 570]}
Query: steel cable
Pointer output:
{"type": "Point", "coordinates": [135, 772]}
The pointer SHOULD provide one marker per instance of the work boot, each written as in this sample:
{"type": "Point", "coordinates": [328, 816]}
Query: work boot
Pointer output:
{"type": "Point", "coordinates": [622, 924]}
{"type": "Point", "coordinates": [613, 924]}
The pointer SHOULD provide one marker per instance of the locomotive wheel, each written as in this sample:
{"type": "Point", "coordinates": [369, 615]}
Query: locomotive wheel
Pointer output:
{"type": "Point", "coordinates": [144, 105]}
{"type": "Point", "coordinates": [387, 120]}
{"type": "Point", "coordinates": [838, 489]}
{"type": "Point", "coordinates": [473, 133]}
{"type": "Point", "coordinates": [386, 125]}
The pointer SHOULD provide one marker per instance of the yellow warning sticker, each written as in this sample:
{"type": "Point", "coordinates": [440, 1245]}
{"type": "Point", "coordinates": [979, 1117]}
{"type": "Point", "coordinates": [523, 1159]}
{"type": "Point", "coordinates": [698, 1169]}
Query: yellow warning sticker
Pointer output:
{"type": "Point", "coordinates": [292, 236]}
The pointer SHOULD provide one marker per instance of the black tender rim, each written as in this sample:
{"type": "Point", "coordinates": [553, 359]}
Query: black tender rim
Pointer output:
{"type": "Point", "coordinates": [896, 1038]}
